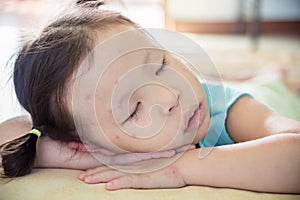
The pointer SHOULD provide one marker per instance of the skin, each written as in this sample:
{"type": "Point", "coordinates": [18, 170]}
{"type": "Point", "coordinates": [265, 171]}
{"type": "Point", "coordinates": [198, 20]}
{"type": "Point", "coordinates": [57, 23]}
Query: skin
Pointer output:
{"type": "Point", "coordinates": [73, 155]}
{"type": "Point", "coordinates": [49, 153]}
{"type": "Point", "coordinates": [175, 106]}
{"type": "Point", "coordinates": [255, 128]}
{"type": "Point", "coordinates": [265, 160]}
{"type": "Point", "coordinates": [261, 135]}
{"type": "Point", "coordinates": [168, 107]}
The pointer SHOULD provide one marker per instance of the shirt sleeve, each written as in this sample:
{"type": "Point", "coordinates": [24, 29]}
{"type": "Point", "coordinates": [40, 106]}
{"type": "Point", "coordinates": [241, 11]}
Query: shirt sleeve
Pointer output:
{"type": "Point", "coordinates": [220, 99]}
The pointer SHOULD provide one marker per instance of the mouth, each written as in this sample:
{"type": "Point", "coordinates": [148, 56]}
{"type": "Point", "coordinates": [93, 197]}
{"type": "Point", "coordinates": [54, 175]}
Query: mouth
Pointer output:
{"type": "Point", "coordinates": [195, 121]}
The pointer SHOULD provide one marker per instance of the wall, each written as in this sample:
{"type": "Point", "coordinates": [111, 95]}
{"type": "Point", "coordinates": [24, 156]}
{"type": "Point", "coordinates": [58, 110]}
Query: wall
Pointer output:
{"type": "Point", "coordinates": [228, 10]}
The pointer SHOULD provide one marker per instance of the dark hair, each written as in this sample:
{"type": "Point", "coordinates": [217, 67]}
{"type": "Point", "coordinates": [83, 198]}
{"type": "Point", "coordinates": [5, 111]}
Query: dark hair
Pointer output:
{"type": "Point", "coordinates": [42, 69]}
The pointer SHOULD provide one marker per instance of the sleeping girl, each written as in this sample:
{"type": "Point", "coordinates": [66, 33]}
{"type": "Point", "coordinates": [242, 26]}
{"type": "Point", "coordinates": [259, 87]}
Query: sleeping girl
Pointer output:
{"type": "Point", "coordinates": [103, 95]}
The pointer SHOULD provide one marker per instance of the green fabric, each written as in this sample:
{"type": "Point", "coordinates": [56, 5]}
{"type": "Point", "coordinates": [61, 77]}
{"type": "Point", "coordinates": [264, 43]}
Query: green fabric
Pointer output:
{"type": "Point", "coordinates": [276, 95]}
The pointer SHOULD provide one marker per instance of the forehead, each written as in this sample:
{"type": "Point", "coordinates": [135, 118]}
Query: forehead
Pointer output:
{"type": "Point", "coordinates": [123, 37]}
{"type": "Point", "coordinates": [118, 49]}
{"type": "Point", "coordinates": [121, 48]}
{"type": "Point", "coordinates": [122, 74]}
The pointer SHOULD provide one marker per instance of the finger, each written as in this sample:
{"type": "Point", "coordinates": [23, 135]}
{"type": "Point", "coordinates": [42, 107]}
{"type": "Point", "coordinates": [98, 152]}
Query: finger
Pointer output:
{"type": "Point", "coordinates": [185, 148]}
{"type": "Point", "coordinates": [101, 151]}
{"type": "Point", "coordinates": [162, 154]}
{"type": "Point", "coordinates": [90, 172]}
{"type": "Point", "coordinates": [136, 157]}
{"type": "Point", "coordinates": [124, 182]}
{"type": "Point", "coordinates": [146, 156]}
{"type": "Point", "coordinates": [104, 176]}
{"type": "Point", "coordinates": [132, 181]}
{"type": "Point", "coordinates": [104, 156]}
{"type": "Point", "coordinates": [89, 148]}
{"type": "Point", "coordinates": [169, 177]}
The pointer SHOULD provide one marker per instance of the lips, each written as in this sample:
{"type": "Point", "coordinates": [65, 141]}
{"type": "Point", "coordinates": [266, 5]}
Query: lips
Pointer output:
{"type": "Point", "coordinates": [195, 120]}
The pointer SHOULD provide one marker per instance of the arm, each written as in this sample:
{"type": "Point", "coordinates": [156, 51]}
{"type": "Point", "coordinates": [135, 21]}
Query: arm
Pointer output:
{"type": "Point", "coordinates": [56, 154]}
{"type": "Point", "coordinates": [248, 120]}
{"type": "Point", "coordinates": [270, 164]}
{"type": "Point", "coordinates": [267, 159]}
{"type": "Point", "coordinates": [50, 153]}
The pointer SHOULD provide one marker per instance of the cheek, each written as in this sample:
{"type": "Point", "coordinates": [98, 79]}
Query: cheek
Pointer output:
{"type": "Point", "coordinates": [166, 139]}
{"type": "Point", "coordinates": [158, 143]}
{"type": "Point", "coordinates": [169, 137]}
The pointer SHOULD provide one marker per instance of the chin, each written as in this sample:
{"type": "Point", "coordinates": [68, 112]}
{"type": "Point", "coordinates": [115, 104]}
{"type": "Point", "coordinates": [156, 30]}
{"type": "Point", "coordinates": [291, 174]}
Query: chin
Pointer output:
{"type": "Point", "coordinates": [195, 142]}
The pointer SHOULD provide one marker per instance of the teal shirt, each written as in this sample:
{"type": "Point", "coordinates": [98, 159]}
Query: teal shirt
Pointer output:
{"type": "Point", "coordinates": [220, 98]}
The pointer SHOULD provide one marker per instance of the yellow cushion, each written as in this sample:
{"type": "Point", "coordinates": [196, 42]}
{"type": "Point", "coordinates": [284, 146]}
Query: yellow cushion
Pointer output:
{"type": "Point", "coordinates": [56, 184]}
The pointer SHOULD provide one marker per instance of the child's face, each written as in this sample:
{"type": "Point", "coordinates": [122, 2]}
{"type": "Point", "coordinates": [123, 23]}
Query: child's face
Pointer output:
{"type": "Point", "coordinates": [145, 99]}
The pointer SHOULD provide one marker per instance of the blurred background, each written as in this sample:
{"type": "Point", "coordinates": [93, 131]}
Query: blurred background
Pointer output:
{"type": "Point", "coordinates": [244, 38]}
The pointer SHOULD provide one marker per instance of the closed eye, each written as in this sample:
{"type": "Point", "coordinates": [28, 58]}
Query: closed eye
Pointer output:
{"type": "Point", "coordinates": [134, 113]}
{"type": "Point", "coordinates": [163, 66]}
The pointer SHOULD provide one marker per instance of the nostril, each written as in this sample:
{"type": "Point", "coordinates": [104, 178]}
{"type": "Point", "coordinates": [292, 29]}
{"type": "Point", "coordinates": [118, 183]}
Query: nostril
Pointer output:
{"type": "Point", "coordinates": [170, 109]}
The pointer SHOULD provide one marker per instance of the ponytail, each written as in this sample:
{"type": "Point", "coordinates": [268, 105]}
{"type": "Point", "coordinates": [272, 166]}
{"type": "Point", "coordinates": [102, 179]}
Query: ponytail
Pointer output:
{"type": "Point", "coordinates": [18, 155]}
{"type": "Point", "coordinates": [41, 79]}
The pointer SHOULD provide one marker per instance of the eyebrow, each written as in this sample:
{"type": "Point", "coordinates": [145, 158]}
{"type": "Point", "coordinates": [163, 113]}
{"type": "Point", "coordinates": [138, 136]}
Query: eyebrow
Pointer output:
{"type": "Point", "coordinates": [147, 57]}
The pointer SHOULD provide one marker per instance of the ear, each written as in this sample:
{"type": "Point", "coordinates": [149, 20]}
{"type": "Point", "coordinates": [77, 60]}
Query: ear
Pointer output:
{"type": "Point", "coordinates": [77, 146]}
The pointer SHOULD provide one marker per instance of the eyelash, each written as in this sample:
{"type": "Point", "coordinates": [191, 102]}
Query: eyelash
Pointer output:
{"type": "Point", "coordinates": [163, 66]}
{"type": "Point", "coordinates": [134, 113]}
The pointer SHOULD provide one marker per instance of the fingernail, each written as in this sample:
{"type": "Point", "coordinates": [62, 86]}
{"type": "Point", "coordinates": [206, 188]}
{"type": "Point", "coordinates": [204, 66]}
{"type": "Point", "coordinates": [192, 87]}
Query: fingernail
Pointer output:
{"type": "Point", "coordinates": [82, 176]}
{"type": "Point", "coordinates": [88, 179]}
{"type": "Point", "coordinates": [167, 154]}
{"type": "Point", "coordinates": [109, 186]}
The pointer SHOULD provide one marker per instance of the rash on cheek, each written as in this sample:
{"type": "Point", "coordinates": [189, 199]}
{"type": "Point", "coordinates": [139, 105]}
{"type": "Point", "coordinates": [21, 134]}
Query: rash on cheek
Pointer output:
{"type": "Point", "coordinates": [116, 82]}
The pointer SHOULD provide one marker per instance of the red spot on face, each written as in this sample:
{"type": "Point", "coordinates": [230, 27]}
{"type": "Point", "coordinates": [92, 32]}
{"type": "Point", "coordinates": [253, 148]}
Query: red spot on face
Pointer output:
{"type": "Point", "coordinates": [116, 81]}
{"type": "Point", "coordinates": [117, 137]}
{"type": "Point", "coordinates": [110, 110]}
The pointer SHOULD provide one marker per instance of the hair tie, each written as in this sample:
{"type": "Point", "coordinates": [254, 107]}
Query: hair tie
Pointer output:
{"type": "Point", "coordinates": [36, 132]}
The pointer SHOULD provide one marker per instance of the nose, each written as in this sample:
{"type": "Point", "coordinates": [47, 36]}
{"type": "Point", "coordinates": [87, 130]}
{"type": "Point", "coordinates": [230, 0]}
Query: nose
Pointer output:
{"type": "Point", "coordinates": [170, 100]}
{"type": "Point", "coordinates": [165, 97]}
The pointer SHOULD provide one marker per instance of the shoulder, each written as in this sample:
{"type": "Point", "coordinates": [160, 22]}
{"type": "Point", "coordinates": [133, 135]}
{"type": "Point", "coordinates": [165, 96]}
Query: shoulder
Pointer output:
{"type": "Point", "coordinates": [222, 96]}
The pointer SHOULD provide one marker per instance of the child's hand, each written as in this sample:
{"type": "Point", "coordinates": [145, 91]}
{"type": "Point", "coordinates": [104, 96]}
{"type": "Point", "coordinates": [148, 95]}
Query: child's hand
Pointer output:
{"type": "Point", "coordinates": [111, 158]}
{"type": "Point", "coordinates": [169, 177]}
